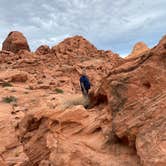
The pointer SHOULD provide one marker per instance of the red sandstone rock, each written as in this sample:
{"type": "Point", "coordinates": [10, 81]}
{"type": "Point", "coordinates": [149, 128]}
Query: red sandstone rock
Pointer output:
{"type": "Point", "coordinates": [42, 50]}
{"type": "Point", "coordinates": [128, 105]}
{"type": "Point", "coordinates": [75, 46]}
{"type": "Point", "coordinates": [135, 93]}
{"type": "Point", "coordinates": [34, 81]}
{"type": "Point", "coordinates": [13, 76]}
{"type": "Point", "coordinates": [69, 137]}
{"type": "Point", "coordinates": [11, 151]}
{"type": "Point", "coordinates": [15, 42]}
{"type": "Point", "coordinates": [138, 49]}
{"type": "Point", "coordinates": [2, 163]}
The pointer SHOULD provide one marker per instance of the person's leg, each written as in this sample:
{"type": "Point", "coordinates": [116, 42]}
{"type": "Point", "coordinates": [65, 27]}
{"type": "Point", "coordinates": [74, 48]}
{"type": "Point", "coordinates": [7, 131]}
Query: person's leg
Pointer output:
{"type": "Point", "coordinates": [82, 89]}
{"type": "Point", "coordinates": [86, 96]}
{"type": "Point", "coordinates": [87, 91]}
{"type": "Point", "coordinates": [84, 92]}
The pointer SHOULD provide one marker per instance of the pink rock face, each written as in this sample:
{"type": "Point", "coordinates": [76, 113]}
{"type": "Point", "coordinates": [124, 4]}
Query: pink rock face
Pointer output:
{"type": "Point", "coordinates": [42, 50]}
{"type": "Point", "coordinates": [15, 42]}
{"type": "Point", "coordinates": [136, 95]}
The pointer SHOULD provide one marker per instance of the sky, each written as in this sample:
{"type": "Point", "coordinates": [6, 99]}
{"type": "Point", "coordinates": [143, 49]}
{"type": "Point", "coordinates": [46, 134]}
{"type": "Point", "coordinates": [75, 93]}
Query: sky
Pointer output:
{"type": "Point", "coordinates": [108, 24]}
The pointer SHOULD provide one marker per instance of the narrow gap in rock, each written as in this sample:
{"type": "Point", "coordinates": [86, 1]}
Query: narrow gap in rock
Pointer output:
{"type": "Point", "coordinates": [147, 85]}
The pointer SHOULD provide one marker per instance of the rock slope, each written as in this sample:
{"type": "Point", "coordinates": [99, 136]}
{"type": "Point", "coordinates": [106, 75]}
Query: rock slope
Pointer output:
{"type": "Point", "coordinates": [136, 95]}
{"type": "Point", "coordinates": [138, 49]}
{"type": "Point", "coordinates": [42, 116]}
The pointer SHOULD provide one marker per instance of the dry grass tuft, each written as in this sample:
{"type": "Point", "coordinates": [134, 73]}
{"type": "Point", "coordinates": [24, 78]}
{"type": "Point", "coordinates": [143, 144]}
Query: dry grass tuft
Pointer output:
{"type": "Point", "coordinates": [73, 100]}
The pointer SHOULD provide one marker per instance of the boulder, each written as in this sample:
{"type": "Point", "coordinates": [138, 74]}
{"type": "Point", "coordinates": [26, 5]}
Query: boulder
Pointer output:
{"type": "Point", "coordinates": [13, 76]}
{"type": "Point", "coordinates": [42, 50]}
{"type": "Point", "coordinates": [15, 42]}
{"type": "Point", "coordinates": [138, 49]}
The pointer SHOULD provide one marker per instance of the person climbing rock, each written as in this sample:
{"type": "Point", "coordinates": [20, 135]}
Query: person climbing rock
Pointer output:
{"type": "Point", "coordinates": [84, 83]}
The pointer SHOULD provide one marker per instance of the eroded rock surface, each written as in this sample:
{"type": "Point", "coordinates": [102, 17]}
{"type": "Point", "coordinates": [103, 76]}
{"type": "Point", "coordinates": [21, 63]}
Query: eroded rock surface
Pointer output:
{"type": "Point", "coordinates": [15, 42]}
{"type": "Point", "coordinates": [42, 50]}
{"type": "Point", "coordinates": [42, 116]}
{"type": "Point", "coordinates": [139, 49]}
{"type": "Point", "coordinates": [136, 95]}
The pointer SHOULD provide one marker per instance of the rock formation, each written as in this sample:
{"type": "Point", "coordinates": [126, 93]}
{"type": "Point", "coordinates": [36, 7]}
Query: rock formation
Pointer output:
{"type": "Point", "coordinates": [15, 42]}
{"type": "Point", "coordinates": [63, 65]}
{"type": "Point", "coordinates": [76, 45]}
{"type": "Point", "coordinates": [138, 49]}
{"type": "Point", "coordinates": [42, 50]}
{"type": "Point", "coordinates": [136, 97]}
{"type": "Point", "coordinates": [42, 116]}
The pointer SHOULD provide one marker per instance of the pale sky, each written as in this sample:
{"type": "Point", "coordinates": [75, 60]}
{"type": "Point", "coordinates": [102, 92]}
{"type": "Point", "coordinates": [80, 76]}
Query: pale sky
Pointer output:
{"type": "Point", "coordinates": [108, 24]}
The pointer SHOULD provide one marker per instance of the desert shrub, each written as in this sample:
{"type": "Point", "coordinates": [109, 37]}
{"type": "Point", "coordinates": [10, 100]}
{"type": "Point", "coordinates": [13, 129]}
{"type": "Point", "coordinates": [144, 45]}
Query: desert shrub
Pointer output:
{"type": "Point", "coordinates": [6, 84]}
{"type": "Point", "coordinates": [9, 99]}
{"type": "Point", "coordinates": [73, 100]}
{"type": "Point", "coordinates": [57, 90]}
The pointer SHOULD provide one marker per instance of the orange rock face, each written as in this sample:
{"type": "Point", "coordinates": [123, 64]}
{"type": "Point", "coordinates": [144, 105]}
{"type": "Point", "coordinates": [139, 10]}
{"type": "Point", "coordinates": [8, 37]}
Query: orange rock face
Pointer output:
{"type": "Point", "coordinates": [63, 64]}
{"type": "Point", "coordinates": [136, 98]}
{"type": "Point", "coordinates": [71, 137]}
{"type": "Point", "coordinates": [76, 45]}
{"type": "Point", "coordinates": [138, 49]}
{"type": "Point", "coordinates": [42, 116]}
{"type": "Point", "coordinates": [15, 42]}
{"type": "Point", "coordinates": [42, 50]}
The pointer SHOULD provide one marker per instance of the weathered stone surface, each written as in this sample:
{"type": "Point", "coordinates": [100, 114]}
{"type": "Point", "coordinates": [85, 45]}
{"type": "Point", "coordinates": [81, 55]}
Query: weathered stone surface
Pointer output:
{"type": "Point", "coordinates": [150, 142]}
{"type": "Point", "coordinates": [47, 124]}
{"type": "Point", "coordinates": [15, 42]}
{"type": "Point", "coordinates": [11, 150]}
{"type": "Point", "coordinates": [76, 45]}
{"type": "Point", "coordinates": [136, 95]}
{"type": "Point", "coordinates": [13, 76]}
{"type": "Point", "coordinates": [63, 69]}
{"type": "Point", "coordinates": [2, 163]}
{"type": "Point", "coordinates": [138, 49]}
{"type": "Point", "coordinates": [69, 137]}
{"type": "Point", "coordinates": [42, 50]}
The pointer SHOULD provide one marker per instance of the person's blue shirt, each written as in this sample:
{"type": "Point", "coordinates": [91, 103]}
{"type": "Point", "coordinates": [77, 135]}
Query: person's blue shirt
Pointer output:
{"type": "Point", "coordinates": [84, 79]}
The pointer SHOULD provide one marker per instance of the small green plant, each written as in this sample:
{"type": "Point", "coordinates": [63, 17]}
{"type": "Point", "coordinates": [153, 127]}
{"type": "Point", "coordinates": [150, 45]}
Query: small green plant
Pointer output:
{"type": "Point", "coordinates": [9, 99]}
{"type": "Point", "coordinates": [6, 84]}
{"type": "Point", "coordinates": [57, 90]}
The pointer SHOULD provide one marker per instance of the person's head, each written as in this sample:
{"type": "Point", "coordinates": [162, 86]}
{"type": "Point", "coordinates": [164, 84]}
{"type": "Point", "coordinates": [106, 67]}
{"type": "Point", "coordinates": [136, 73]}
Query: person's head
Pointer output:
{"type": "Point", "coordinates": [84, 71]}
